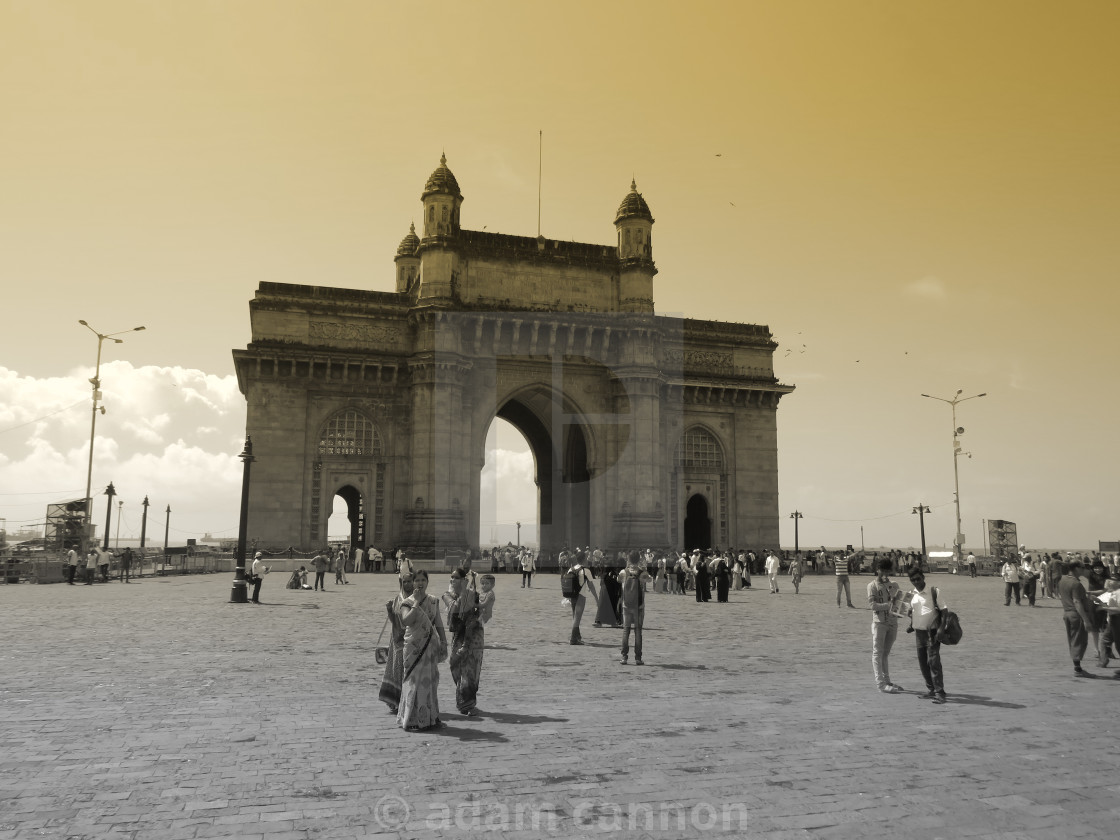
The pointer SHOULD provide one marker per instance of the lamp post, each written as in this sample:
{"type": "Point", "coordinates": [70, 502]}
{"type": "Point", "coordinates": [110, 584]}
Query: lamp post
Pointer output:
{"type": "Point", "coordinates": [110, 491]}
{"type": "Point", "coordinates": [117, 539]}
{"type": "Point", "coordinates": [144, 523]}
{"type": "Point", "coordinates": [240, 592]}
{"type": "Point", "coordinates": [958, 538]}
{"type": "Point", "coordinates": [922, 510]}
{"type": "Point", "coordinates": [96, 383]}
{"type": "Point", "coordinates": [166, 528]}
{"type": "Point", "coordinates": [796, 516]}
{"type": "Point", "coordinates": [519, 535]}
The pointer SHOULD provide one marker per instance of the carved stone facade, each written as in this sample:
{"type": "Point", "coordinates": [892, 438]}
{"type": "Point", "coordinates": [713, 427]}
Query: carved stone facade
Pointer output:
{"type": "Point", "coordinates": [646, 430]}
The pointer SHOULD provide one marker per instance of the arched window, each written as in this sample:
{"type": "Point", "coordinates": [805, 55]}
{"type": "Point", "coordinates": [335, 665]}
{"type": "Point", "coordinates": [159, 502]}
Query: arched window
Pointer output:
{"type": "Point", "coordinates": [698, 449]}
{"type": "Point", "coordinates": [349, 433]}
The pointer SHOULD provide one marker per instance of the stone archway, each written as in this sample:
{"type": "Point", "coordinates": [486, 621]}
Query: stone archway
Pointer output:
{"type": "Point", "coordinates": [355, 514]}
{"type": "Point", "coordinates": [697, 523]}
{"type": "Point", "coordinates": [562, 474]}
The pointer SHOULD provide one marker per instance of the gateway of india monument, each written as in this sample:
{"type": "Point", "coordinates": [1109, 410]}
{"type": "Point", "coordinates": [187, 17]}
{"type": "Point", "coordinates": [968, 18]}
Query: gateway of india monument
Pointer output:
{"type": "Point", "coordinates": [646, 430]}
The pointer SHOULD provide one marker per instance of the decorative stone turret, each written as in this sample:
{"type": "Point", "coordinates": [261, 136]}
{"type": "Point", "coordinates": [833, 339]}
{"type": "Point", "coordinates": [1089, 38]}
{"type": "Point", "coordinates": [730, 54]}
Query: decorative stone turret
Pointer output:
{"type": "Point", "coordinates": [442, 201]}
{"type": "Point", "coordinates": [634, 224]}
{"type": "Point", "coordinates": [407, 260]}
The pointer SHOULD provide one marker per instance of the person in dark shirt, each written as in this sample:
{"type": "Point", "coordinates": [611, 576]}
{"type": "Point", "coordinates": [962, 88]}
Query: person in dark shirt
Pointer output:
{"type": "Point", "coordinates": [1077, 614]}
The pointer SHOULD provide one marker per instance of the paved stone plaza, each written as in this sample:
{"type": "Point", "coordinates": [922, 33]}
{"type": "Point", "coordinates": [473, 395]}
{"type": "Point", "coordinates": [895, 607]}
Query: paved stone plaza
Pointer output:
{"type": "Point", "coordinates": [160, 710]}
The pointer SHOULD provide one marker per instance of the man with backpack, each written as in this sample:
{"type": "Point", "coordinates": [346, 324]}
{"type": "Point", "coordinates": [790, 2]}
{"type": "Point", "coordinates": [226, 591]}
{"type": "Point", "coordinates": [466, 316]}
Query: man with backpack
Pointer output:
{"type": "Point", "coordinates": [633, 580]}
{"type": "Point", "coordinates": [572, 584]}
{"type": "Point", "coordinates": [926, 624]}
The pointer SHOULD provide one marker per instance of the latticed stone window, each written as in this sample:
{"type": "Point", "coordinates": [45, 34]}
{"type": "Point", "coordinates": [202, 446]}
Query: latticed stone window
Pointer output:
{"type": "Point", "coordinates": [349, 433]}
{"type": "Point", "coordinates": [698, 449]}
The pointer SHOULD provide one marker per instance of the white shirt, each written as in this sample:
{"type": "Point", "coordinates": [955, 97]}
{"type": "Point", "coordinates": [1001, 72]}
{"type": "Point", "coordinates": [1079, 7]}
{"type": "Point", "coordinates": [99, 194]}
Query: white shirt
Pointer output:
{"type": "Point", "coordinates": [924, 613]}
{"type": "Point", "coordinates": [772, 565]}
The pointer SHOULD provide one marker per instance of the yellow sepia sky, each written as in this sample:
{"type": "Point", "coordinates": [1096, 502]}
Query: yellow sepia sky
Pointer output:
{"type": "Point", "coordinates": [915, 197]}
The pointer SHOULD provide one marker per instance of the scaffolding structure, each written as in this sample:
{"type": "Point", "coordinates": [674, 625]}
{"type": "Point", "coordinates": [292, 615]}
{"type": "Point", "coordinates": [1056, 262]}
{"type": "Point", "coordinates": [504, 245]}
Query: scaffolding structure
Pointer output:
{"type": "Point", "coordinates": [64, 525]}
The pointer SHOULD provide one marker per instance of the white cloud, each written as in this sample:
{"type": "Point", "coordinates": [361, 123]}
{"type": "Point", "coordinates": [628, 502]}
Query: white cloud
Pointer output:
{"type": "Point", "coordinates": [156, 439]}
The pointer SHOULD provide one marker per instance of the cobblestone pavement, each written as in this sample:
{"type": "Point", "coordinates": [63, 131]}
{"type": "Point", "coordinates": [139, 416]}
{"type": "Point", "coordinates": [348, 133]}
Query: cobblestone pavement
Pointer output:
{"type": "Point", "coordinates": [160, 710]}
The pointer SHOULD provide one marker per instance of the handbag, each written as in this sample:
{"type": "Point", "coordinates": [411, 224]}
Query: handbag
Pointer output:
{"type": "Point", "coordinates": [381, 654]}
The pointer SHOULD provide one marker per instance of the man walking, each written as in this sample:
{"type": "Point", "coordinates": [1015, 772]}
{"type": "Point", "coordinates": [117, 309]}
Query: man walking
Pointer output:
{"type": "Point", "coordinates": [842, 582]}
{"type": "Point", "coordinates": [971, 561]}
{"type": "Point", "coordinates": [773, 566]}
{"type": "Point", "coordinates": [633, 580]}
{"type": "Point", "coordinates": [1077, 614]}
{"type": "Point", "coordinates": [881, 595]}
{"type": "Point", "coordinates": [925, 621]}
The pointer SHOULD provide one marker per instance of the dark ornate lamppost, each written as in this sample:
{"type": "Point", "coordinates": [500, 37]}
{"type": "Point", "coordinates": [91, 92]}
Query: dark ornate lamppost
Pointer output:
{"type": "Point", "coordinates": [240, 592]}
{"type": "Point", "coordinates": [110, 491]}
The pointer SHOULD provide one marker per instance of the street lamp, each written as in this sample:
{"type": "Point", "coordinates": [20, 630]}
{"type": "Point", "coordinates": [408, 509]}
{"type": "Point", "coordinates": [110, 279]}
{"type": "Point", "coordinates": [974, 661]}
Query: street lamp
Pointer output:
{"type": "Point", "coordinates": [117, 542]}
{"type": "Point", "coordinates": [795, 516]}
{"type": "Point", "coordinates": [958, 538]}
{"type": "Point", "coordinates": [96, 383]}
{"type": "Point", "coordinates": [110, 491]}
{"type": "Point", "coordinates": [922, 510]}
{"type": "Point", "coordinates": [240, 591]}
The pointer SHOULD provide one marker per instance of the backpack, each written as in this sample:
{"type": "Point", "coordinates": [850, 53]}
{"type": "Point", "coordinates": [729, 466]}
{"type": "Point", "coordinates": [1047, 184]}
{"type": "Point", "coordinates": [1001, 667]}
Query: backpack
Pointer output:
{"type": "Point", "coordinates": [633, 592]}
{"type": "Point", "coordinates": [570, 584]}
{"type": "Point", "coordinates": [950, 627]}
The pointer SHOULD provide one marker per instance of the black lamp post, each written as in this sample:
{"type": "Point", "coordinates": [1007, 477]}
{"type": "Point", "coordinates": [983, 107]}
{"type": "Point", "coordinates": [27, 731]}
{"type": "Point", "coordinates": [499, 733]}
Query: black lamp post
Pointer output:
{"type": "Point", "coordinates": [240, 592]}
{"type": "Point", "coordinates": [795, 516]}
{"type": "Point", "coordinates": [110, 491]}
{"type": "Point", "coordinates": [922, 510]}
{"type": "Point", "coordinates": [144, 523]}
{"type": "Point", "coordinates": [166, 529]}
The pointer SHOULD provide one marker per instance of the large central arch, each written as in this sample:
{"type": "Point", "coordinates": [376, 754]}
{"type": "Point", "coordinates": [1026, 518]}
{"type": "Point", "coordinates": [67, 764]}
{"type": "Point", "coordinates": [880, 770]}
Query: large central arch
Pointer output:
{"type": "Point", "coordinates": [561, 470]}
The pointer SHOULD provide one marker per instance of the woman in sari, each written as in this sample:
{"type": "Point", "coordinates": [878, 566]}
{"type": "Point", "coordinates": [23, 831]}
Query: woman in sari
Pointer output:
{"type": "Point", "coordinates": [425, 646]}
{"type": "Point", "coordinates": [390, 693]}
{"type": "Point", "coordinates": [465, 623]}
{"type": "Point", "coordinates": [723, 580]}
{"type": "Point", "coordinates": [607, 613]}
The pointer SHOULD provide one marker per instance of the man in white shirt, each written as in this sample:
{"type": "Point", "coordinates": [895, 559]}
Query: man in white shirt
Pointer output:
{"type": "Point", "coordinates": [259, 571]}
{"type": "Point", "coordinates": [71, 564]}
{"type": "Point", "coordinates": [1010, 574]}
{"type": "Point", "coordinates": [773, 566]}
{"type": "Point", "coordinates": [925, 621]}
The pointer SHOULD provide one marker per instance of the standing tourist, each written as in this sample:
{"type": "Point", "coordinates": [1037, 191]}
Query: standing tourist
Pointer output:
{"type": "Point", "coordinates": [971, 561]}
{"type": "Point", "coordinates": [425, 646]}
{"type": "Point", "coordinates": [773, 566]}
{"type": "Point", "coordinates": [391, 682]}
{"type": "Point", "coordinates": [723, 580]}
{"type": "Point", "coordinates": [125, 572]}
{"type": "Point", "coordinates": [319, 562]}
{"type": "Point", "coordinates": [340, 567]}
{"type": "Point", "coordinates": [1077, 614]}
{"type": "Point", "coordinates": [796, 568]}
{"type": "Point", "coordinates": [633, 583]}
{"type": "Point", "coordinates": [92, 561]}
{"type": "Point", "coordinates": [881, 595]}
{"type": "Point", "coordinates": [465, 623]}
{"type": "Point", "coordinates": [1027, 577]}
{"type": "Point", "coordinates": [843, 584]}
{"type": "Point", "coordinates": [527, 568]}
{"type": "Point", "coordinates": [700, 572]}
{"type": "Point", "coordinates": [925, 621]}
{"type": "Point", "coordinates": [608, 612]}
{"type": "Point", "coordinates": [259, 571]}
{"type": "Point", "coordinates": [1010, 574]}
{"type": "Point", "coordinates": [71, 565]}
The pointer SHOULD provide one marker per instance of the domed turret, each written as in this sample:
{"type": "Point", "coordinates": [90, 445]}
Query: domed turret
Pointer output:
{"type": "Point", "coordinates": [442, 200]}
{"type": "Point", "coordinates": [634, 224]}
{"type": "Point", "coordinates": [633, 206]}
{"type": "Point", "coordinates": [441, 181]}
{"type": "Point", "coordinates": [407, 260]}
{"type": "Point", "coordinates": [410, 243]}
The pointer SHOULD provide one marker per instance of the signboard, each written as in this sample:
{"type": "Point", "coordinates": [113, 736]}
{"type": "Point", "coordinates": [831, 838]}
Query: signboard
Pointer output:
{"type": "Point", "coordinates": [1003, 540]}
{"type": "Point", "coordinates": [1109, 547]}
